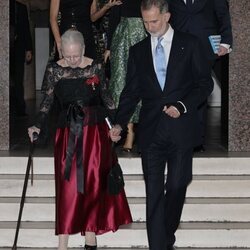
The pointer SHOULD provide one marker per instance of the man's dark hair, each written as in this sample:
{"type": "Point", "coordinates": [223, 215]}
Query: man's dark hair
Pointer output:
{"type": "Point", "coordinates": [161, 4]}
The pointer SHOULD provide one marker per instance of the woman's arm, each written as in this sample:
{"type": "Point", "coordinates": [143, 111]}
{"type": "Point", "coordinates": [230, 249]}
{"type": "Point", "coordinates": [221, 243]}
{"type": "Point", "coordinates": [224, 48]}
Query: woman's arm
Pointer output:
{"type": "Point", "coordinates": [54, 9]}
{"type": "Point", "coordinates": [96, 13]}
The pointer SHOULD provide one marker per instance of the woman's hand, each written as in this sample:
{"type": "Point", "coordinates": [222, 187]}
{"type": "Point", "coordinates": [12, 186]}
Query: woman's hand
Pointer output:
{"type": "Point", "coordinates": [115, 132]}
{"type": "Point", "coordinates": [106, 55]}
{"type": "Point", "coordinates": [59, 48]}
{"type": "Point", "coordinates": [31, 131]}
{"type": "Point", "coordinates": [112, 3]}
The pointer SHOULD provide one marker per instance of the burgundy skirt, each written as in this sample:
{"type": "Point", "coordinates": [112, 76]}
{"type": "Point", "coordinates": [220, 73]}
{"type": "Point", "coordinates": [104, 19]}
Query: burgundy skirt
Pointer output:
{"type": "Point", "coordinates": [94, 210]}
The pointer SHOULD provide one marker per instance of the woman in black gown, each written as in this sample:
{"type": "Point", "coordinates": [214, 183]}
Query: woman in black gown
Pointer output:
{"type": "Point", "coordinates": [83, 152]}
{"type": "Point", "coordinates": [79, 15]}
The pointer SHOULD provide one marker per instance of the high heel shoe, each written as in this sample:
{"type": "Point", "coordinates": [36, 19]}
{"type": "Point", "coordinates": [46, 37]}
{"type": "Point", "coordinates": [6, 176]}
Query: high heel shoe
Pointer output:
{"type": "Point", "coordinates": [87, 247]}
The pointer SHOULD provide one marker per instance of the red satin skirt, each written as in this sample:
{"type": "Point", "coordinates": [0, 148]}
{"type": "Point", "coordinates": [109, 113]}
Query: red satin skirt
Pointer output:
{"type": "Point", "coordinates": [94, 210]}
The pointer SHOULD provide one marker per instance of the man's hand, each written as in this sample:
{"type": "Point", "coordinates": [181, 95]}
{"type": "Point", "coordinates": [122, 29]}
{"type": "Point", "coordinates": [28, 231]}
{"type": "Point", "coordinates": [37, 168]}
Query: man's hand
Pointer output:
{"type": "Point", "coordinates": [115, 132]}
{"type": "Point", "coordinates": [222, 51]}
{"type": "Point", "coordinates": [28, 56]}
{"type": "Point", "coordinates": [171, 111]}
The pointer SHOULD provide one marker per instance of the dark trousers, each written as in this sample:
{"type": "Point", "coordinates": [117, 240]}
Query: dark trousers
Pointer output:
{"type": "Point", "coordinates": [165, 199]}
{"type": "Point", "coordinates": [18, 88]}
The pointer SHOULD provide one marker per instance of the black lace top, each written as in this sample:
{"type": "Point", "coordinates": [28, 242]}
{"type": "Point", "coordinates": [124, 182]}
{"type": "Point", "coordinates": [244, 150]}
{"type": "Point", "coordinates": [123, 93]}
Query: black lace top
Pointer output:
{"type": "Point", "coordinates": [79, 89]}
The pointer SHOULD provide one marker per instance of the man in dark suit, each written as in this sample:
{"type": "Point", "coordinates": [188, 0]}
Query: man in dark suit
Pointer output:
{"type": "Point", "coordinates": [22, 52]}
{"type": "Point", "coordinates": [203, 18]}
{"type": "Point", "coordinates": [168, 126]}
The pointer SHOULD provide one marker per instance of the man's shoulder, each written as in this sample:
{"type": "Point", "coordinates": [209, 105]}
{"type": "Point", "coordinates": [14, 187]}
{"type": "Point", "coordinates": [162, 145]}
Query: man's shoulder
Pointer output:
{"type": "Point", "coordinates": [185, 36]}
{"type": "Point", "coordinates": [140, 45]}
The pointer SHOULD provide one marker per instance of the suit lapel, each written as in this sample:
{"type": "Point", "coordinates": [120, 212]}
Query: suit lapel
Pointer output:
{"type": "Point", "coordinates": [199, 4]}
{"type": "Point", "coordinates": [176, 54]}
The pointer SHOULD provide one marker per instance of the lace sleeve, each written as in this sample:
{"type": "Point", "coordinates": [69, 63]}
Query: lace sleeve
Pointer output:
{"type": "Point", "coordinates": [105, 94]}
{"type": "Point", "coordinates": [49, 82]}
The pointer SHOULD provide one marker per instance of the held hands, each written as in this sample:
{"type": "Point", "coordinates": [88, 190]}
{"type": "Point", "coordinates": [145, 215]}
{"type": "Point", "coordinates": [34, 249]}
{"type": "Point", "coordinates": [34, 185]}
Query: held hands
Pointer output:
{"type": "Point", "coordinates": [171, 111]}
{"type": "Point", "coordinates": [31, 131]}
{"type": "Point", "coordinates": [115, 132]}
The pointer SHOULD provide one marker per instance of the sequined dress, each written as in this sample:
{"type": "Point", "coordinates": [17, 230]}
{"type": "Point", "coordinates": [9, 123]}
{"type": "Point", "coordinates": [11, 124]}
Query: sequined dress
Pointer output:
{"type": "Point", "coordinates": [76, 14]}
{"type": "Point", "coordinates": [125, 29]}
{"type": "Point", "coordinates": [100, 28]}
{"type": "Point", "coordinates": [82, 151]}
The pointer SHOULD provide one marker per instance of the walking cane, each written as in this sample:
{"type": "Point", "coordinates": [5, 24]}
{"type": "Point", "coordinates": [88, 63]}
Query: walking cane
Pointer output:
{"type": "Point", "coordinates": [25, 184]}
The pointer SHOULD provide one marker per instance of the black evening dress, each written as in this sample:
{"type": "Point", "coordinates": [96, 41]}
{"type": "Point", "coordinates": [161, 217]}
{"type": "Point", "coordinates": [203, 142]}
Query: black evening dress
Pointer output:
{"type": "Point", "coordinates": [76, 14]}
{"type": "Point", "coordinates": [83, 152]}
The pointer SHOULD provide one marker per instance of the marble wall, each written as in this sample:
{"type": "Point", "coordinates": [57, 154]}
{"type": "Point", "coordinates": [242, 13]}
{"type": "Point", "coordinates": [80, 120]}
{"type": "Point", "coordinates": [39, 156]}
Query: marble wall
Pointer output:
{"type": "Point", "coordinates": [4, 74]}
{"type": "Point", "coordinates": [239, 78]}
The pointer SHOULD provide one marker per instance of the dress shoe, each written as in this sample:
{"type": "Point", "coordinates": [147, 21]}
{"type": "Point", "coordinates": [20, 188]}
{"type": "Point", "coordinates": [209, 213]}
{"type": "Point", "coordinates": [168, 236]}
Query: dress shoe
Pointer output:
{"type": "Point", "coordinates": [171, 247]}
{"type": "Point", "coordinates": [199, 149]}
{"type": "Point", "coordinates": [87, 247]}
{"type": "Point", "coordinates": [127, 150]}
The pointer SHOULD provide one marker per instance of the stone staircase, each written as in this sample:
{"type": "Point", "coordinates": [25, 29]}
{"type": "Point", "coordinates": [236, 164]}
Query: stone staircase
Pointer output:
{"type": "Point", "coordinates": [216, 214]}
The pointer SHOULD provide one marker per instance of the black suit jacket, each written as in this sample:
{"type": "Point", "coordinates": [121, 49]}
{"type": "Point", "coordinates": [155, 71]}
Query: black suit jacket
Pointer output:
{"type": "Point", "coordinates": [23, 41]}
{"type": "Point", "coordinates": [205, 18]}
{"type": "Point", "coordinates": [188, 80]}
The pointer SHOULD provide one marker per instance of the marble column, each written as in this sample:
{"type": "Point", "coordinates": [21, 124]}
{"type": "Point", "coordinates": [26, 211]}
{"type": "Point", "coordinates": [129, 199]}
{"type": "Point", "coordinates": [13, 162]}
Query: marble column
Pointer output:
{"type": "Point", "coordinates": [239, 80]}
{"type": "Point", "coordinates": [4, 74]}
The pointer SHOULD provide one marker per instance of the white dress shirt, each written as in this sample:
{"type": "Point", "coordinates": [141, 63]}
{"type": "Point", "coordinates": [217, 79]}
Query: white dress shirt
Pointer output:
{"type": "Point", "coordinates": [166, 43]}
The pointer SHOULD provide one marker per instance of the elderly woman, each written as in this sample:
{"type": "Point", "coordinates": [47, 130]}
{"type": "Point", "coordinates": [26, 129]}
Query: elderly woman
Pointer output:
{"type": "Point", "coordinates": [83, 152]}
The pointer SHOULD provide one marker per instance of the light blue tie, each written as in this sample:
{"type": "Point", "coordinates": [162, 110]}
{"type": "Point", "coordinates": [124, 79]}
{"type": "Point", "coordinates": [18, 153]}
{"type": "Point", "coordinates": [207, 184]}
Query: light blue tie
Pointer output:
{"type": "Point", "coordinates": [160, 63]}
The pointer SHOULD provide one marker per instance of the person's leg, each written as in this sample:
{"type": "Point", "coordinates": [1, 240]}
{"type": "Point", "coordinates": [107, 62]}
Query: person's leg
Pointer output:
{"type": "Point", "coordinates": [90, 241]}
{"type": "Point", "coordinates": [63, 241]}
{"type": "Point", "coordinates": [128, 145]}
{"type": "Point", "coordinates": [154, 161]}
{"type": "Point", "coordinates": [174, 201]}
{"type": "Point", "coordinates": [19, 103]}
{"type": "Point", "coordinates": [178, 176]}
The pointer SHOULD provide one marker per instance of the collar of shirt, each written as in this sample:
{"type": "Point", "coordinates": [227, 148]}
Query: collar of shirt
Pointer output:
{"type": "Point", "coordinates": [166, 42]}
{"type": "Point", "coordinates": [185, 1]}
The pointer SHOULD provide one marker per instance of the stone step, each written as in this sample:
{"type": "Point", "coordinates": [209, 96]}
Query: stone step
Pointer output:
{"type": "Point", "coordinates": [191, 212]}
{"type": "Point", "coordinates": [122, 248]}
{"type": "Point", "coordinates": [127, 177]}
{"type": "Point", "coordinates": [201, 166]}
{"type": "Point", "coordinates": [188, 200]}
{"type": "Point", "coordinates": [136, 188]}
{"type": "Point", "coordinates": [40, 225]}
{"type": "Point", "coordinates": [125, 238]}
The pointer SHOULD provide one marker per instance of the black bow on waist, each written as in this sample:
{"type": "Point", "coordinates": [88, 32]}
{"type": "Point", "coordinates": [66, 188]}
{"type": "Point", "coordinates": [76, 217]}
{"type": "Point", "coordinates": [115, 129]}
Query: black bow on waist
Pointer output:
{"type": "Point", "coordinates": [75, 117]}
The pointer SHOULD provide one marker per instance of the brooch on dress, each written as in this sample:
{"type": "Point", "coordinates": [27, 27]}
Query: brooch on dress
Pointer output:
{"type": "Point", "coordinates": [93, 81]}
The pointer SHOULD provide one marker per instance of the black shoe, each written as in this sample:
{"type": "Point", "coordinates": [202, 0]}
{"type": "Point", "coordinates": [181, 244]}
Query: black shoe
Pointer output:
{"type": "Point", "coordinates": [171, 247]}
{"type": "Point", "coordinates": [87, 247]}
{"type": "Point", "coordinates": [199, 149]}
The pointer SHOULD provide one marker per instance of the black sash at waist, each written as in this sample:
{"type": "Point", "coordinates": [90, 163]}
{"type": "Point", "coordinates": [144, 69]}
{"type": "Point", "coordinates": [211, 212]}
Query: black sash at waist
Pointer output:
{"type": "Point", "coordinates": [75, 116]}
